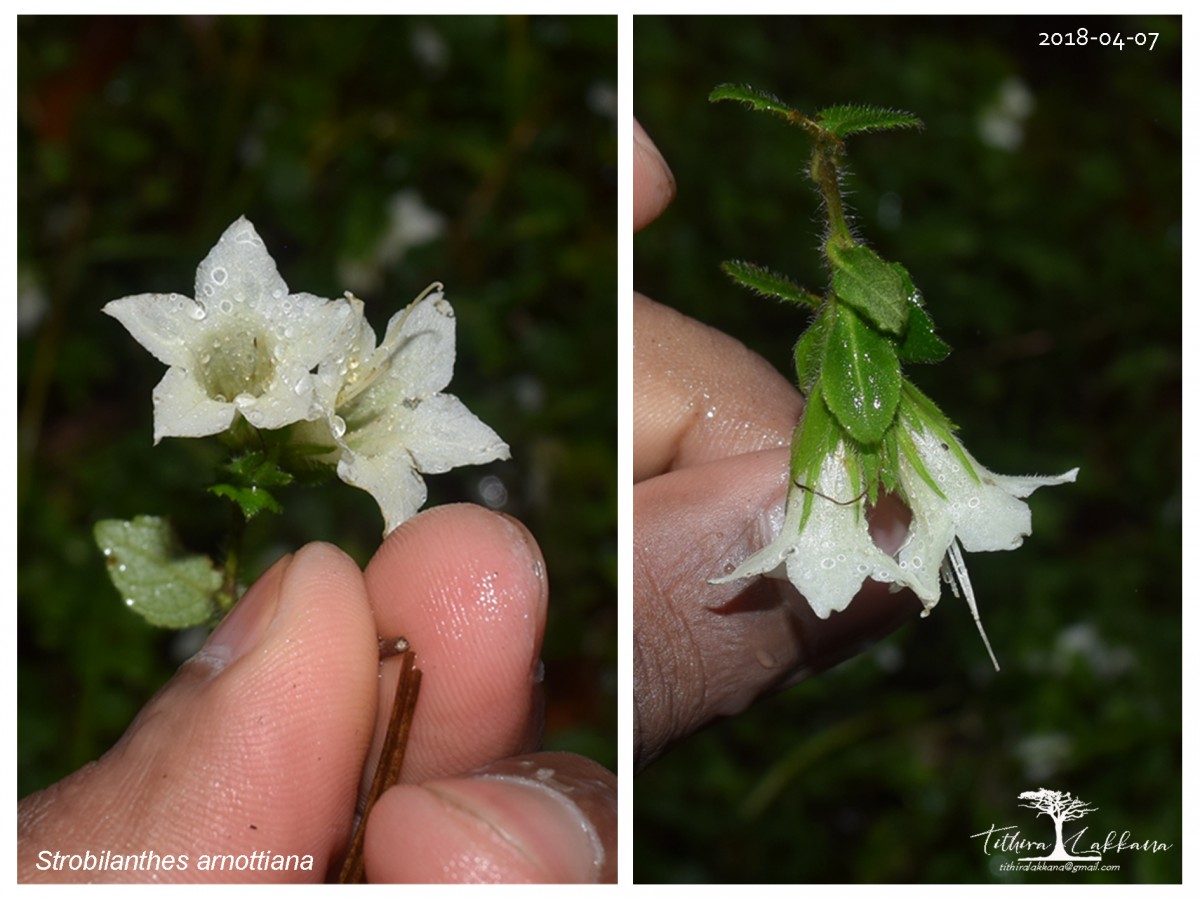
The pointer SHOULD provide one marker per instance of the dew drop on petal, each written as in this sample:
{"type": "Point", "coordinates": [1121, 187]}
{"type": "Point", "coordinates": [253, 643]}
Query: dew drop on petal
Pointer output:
{"type": "Point", "coordinates": [129, 600]}
{"type": "Point", "coordinates": [277, 293]}
{"type": "Point", "coordinates": [219, 275]}
{"type": "Point", "coordinates": [226, 306]}
{"type": "Point", "coordinates": [337, 425]}
{"type": "Point", "coordinates": [198, 312]}
{"type": "Point", "coordinates": [827, 563]}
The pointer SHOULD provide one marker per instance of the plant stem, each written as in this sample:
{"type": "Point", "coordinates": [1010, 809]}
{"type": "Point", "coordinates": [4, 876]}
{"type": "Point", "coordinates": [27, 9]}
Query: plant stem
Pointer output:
{"type": "Point", "coordinates": [824, 171]}
{"type": "Point", "coordinates": [227, 596]}
{"type": "Point", "coordinates": [391, 759]}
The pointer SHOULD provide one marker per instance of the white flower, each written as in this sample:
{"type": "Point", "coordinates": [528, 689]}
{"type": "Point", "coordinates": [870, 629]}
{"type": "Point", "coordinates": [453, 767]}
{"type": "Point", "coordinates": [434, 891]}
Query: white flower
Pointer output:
{"type": "Point", "coordinates": [954, 498]}
{"type": "Point", "coordinates": [828, 555]}
{"type": "Point", "coordinates": [243, 345]}
{"type": "Point", "coordinates": [389, 423]}
{"type": "Point", "coordinates": [957, 504]}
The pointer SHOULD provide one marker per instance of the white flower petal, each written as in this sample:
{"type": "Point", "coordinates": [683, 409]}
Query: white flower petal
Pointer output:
{"type": "Point", "coordinates": [441, 433]}
{"type": "Point", "coordinates": [182, 408]}
{"type": "Point", "coordinates": [238, 270]}
{"type": "Point", "coordinates": [419, 343]}
{"type": "Point", "coordinates": [394, 482]}
{"type": "Point", "coordinates": [164, 323]}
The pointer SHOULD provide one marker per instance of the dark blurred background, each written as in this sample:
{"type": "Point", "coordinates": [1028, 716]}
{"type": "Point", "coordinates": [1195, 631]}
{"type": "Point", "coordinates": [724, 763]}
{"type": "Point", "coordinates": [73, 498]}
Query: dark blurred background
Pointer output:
{"type": "Point", "coordinates": [373, 154]}
{"type": "Point", "coordinates": [1040, 214]}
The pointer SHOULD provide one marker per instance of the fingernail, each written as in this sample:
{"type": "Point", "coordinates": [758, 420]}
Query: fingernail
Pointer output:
{"type": "Point", "coordinates": [244, 626]}
{"type": "Point", "coordinates": [537, 817]}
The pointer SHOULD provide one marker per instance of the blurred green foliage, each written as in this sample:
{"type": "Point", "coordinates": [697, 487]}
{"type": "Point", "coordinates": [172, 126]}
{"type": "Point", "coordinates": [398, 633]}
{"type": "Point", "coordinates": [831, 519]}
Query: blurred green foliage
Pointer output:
{"type": "Point", "coordinates": [1040, 213]}
{"type": "Point", "coordinates": [141, 139]}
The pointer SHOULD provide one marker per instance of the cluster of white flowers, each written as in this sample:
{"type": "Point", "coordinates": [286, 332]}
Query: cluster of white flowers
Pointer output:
{"type": "Point", "coordinates": [826, 550]}
{"type": "Point", "coordinates": [247, 346]}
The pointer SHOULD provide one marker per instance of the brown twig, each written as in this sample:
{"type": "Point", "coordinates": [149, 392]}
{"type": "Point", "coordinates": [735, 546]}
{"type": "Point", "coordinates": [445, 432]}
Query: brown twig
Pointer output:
{"type": "Point", "coordinates": [387, 773]}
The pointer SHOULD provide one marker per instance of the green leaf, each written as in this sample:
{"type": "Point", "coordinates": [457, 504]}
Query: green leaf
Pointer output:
{"type": "Point", "coordinates": [873, 287]}
{"type": "Point", "coordinates": [252, 500]}
{"type": "Point", "coordinates": [845, 120]}
{"type": "Point", "coordinates": [810, 352]}
{"type": "Point", "coordinates": [250, 474]}
{"type": "Point", "coordinates": [920, 344]}
{"type": "Point", "coordinates": [764, 101]}
{"type": "Point", "coordinates": [257, 469]}
{"type": "Point", "coordinates": [156, 580]}
{"type": "Point", "coordinates": [860, 377]}
{"type": "Point", "coordinates": [767, 283]}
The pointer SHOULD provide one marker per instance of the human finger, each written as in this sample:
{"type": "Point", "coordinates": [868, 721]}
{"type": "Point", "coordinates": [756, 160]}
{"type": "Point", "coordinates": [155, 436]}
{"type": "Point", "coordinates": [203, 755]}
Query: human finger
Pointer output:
{"type": "Point", "coordinates": [700, 395]}
{"type": "Point", "coordinates": [255, 746]}
{"type": "Point", "coordinates": [653, 183]}
{"type": "Point", "coordinates": [549, 817]}
{"type": "Point", "coordinates": [467, 588]}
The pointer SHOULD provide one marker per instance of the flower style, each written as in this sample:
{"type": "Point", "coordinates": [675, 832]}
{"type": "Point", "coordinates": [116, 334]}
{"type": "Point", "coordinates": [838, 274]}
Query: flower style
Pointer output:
{"type": "Point", "coordinates": [243, 345]}
{"type": "Point", "coordinates": [388, 423]}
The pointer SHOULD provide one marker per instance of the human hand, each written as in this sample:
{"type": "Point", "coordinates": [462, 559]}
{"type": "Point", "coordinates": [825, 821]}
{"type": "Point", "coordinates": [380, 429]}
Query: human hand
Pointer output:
{"type": "Point", "coordinates": [712, 423]}
{"type": "Point", "coordinates": [258, 744]}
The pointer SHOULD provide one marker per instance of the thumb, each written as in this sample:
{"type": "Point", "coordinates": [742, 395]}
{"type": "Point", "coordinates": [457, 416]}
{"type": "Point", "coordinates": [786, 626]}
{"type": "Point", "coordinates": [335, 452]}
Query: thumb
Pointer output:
{"type": "Point", "coordinates": [254, 747]}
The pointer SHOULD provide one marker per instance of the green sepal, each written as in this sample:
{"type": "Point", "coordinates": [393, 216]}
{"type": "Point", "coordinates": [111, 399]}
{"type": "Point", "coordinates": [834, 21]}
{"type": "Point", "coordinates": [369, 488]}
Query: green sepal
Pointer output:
{"type": "Point", "coordinates": [767, 283]}
{"type": "Point", "coordinates": [879, 465]}
{"type": "Point", "coordinates": [155, 578]}
{"type": "Point", "coordinates": [814, 438]}
{"type": "Point", "coordinates": [922, 412]}
{"type": "Point", "coordinates": [872, 286]}
{"type": "Point", "coordinates": [845, 120]}
{"type": "Point", "coordinates": [860, 376]}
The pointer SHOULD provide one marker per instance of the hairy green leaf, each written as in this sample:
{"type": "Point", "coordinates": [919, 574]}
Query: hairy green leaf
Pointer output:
{"type": "Point", "coordinates": [764, 101]}
{"type": "Point", "coordinates": [156, 580]}
{"type": "Point", "coordinates": [768, 283]}
{"type": "Point", "coordinates": [845, 120]}
{"type": "Point", "coordinates": [872, 286]}
{"type": "Point", "coordinates": [860, 377]}
{"type": "Point", "coordinates": [251, 500]}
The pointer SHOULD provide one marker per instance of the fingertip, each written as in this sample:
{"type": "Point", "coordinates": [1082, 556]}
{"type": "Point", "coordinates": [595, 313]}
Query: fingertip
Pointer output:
{"type": "Point", "coordinates": [549, 818]}
{"type": "Point", "coordinates": [653, 181]}
{"type": "Point", "coordinates": [467, 588]}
